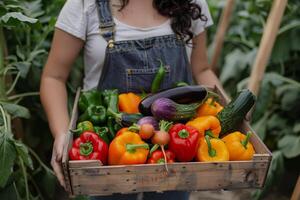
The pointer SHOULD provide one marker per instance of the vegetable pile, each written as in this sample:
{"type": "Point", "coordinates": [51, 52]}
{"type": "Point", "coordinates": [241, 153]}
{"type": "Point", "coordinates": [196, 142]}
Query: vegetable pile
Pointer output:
{"type": "Point", "coordinates": [181, 124]}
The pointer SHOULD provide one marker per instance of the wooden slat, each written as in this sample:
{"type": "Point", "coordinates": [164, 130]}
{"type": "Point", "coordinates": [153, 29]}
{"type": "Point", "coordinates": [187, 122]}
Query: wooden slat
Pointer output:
{"type": "Point", "coordinates": [182, 176]}
{"type": "Point", "coordinates": [68, 143]}
{"type": "Point", "coordinates": [266, 44]}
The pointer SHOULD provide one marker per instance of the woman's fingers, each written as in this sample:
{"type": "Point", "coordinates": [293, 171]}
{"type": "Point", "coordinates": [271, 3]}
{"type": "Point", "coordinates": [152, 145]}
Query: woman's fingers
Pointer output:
{"type": "Point", "coordinates": [58, 172]}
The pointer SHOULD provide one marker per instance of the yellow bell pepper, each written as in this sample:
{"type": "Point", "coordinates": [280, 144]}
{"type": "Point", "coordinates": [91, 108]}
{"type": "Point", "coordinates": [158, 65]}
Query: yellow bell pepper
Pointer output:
{"type": "Point", "coordinates": [211, 150]}
{"type": "Point", "coordinates": [209, 107]}
{"type": "Point", "coordinates": [239, 146]}
{"type": "Point", "coordinates": [206, 125]}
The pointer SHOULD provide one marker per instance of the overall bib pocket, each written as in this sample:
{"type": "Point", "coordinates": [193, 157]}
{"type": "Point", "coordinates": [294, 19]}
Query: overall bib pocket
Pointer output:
{"type": "Point", "coordinates": [139, 80]}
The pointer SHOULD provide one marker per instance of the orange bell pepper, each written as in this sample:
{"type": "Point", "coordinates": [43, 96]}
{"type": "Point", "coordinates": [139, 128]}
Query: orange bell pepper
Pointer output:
{"type": "Point", "coordinates": [212, 150]}
{"type": "Point", "coordinates": [129, 103]}
{"type": "Point", "coordinates": [206, 125]}
{"type": "Point", "coordinates": [127, 149]}
{"type": "Point", "coordinates": [121, 131]}
{"type": "Point", "coordinates": [209, 107]}
{"type": "Point", "coordinates": [239, 146]}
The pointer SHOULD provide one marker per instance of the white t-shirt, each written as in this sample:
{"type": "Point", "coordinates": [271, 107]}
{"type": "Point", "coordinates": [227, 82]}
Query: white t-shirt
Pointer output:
{"type": "Point", "coordinates": [80, 18]}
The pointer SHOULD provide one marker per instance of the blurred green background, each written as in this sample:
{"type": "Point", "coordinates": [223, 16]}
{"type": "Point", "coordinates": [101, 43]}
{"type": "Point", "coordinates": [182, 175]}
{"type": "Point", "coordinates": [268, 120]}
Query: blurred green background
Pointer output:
{"type": "Point", "coordinates": [26, 29]}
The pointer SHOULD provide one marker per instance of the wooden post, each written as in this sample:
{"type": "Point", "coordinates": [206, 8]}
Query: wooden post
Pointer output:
{"type": "Point", "coordinates": [220, 35]}
{"type": "Point", "coordinates": [266, 44]}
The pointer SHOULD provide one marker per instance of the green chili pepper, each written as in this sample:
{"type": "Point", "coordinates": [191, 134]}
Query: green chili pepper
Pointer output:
{"type": "Point", "coordinates": [181, 84]}
{"type": "Point", "coordinates": [111, 98]}
{"type": "Point", "coordinates": [82, 127]}
{"type": "Point", "coordinates": [95, 114]}
{"type": "Point", "coordinates": [103, 133]}
{"type": "Point", "coordinates": [158, 78]}
{"type": "Point", "coordinates": [110, 124]}
{"type": "Point", "coordinates": [87, 98]}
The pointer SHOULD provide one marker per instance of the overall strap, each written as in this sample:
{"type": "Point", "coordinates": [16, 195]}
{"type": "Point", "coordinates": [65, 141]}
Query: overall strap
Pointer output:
{"type": "Point", "coordinates": [107, 25]}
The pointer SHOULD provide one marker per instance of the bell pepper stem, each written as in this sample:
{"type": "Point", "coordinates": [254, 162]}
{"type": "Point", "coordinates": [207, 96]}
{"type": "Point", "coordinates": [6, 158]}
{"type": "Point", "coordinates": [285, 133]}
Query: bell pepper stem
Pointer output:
{"type": "Point", "coordinates": [183, 134]}
{"type": "Point", "coordinates": [132, 147]}
{"type": "Point", "coordinates": [245, 142]}
{"type": "Point", "coordinates": [86, 149]}
{"type": "Point", "coordinates": [154, 148]}
{"type": "Point", "coordinates": [209, 133]}
{"type": "Point", "coordinates": [212, 152]}
{"type": "Point", "coordinates": [212, 94]}
{"type": "Point", "coordinates": [134, 128]}
{"type": "Point", "coordinates": [117, 116]}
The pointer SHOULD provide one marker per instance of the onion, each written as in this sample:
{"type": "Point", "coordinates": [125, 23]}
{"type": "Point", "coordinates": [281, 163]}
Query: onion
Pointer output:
{"type": "Point", "coordinates": [148, 120]}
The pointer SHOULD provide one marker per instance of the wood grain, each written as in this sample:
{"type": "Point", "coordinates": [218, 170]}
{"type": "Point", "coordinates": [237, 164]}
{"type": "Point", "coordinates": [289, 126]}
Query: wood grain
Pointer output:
{"type": "Point", "coordinates": [266, 44]}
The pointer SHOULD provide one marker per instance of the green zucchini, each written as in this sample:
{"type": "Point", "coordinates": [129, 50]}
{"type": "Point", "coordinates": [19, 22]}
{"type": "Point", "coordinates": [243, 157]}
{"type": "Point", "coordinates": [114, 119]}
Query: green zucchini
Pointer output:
{"type": "Point", "coordinates": [234, 113]}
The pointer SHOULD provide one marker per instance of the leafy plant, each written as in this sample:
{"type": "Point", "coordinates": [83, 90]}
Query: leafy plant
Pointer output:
{"type": "Point", "coordinates": [275, 117]}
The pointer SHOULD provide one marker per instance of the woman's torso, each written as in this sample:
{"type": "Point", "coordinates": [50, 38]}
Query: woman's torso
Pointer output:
{"type": "Point", "coordinates": [81, 19]}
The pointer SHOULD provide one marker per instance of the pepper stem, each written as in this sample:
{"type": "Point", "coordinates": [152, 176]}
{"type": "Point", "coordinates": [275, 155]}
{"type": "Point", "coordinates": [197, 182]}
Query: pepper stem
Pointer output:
{"type": "Point", "coordinates": [209, 133]}
{"type": "Point", "coordinates": [134, 128]}
{"type": "Point", "coordinates": [245, 142]}
{"type": "Point", "coordinates": [86, 149]}
{"type": "Point", "coordinates": [212, 152]}
{"type": "Point", "coordinates": [132, 147]}
{"type": "Point", "coordinates": [117, 116]}
{"type": "Point", "coordinates": [183, 134]}
{"type": "Point", "coordinates": [154, 148]}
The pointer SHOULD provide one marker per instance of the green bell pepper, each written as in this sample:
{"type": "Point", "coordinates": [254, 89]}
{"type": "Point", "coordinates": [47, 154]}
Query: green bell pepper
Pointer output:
{"type": "Point", "coordinates": [82, 127]}
{"type": "Point", "coordinates": [111, 98]}
{"type": "Point", "coordinates": [87, 98]}
{"type": "Point", "coordinates": [95, 114]}
{"type": "Point", "coordinates": [103, 133]}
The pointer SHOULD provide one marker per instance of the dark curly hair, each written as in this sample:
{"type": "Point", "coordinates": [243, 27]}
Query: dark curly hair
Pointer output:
{"type": "Point", "coordinates": [181, 12]}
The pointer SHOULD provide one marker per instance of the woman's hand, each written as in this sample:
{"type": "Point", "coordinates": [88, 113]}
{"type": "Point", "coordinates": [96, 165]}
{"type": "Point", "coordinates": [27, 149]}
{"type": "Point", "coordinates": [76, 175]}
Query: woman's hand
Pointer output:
{"type": "Point", "coordinates": [56, 159]}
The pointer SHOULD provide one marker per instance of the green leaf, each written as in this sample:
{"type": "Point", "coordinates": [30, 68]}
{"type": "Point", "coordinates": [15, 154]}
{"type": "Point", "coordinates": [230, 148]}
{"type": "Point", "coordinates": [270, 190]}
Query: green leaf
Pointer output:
{"type": "Point", "coordinates": [34, 54]}
{"type": "Point", "coordinates": [16, 110]}
{"type": "Point", "coordinates": [23, 68]}
{"type": "Point", "coordinates": [296, 128]}
{"type": "Point", "coordinates": [24, 154]}
{"type": "Point", "coordinates": [7, 158]}
{"type": "Point", "coordinates": [17, 16]}
{"type": "Point", "coordinates": [277, 123]}
{"type": "Point", "coordinates": [288, 100]}
{"type": "Point", "coordinates": [8, 192]}
{"type": "Point", "coordinates": [290, 145]}
{"type": "Point", "coordinates": [236, 62]}
{"type": "Point", "coordinates": [260, 126]}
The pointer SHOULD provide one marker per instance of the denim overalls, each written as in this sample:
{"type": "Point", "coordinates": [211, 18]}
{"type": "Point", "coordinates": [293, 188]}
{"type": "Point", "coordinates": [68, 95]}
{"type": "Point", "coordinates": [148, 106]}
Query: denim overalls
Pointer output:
{"type": "Point", "coordinates": [130, 66]}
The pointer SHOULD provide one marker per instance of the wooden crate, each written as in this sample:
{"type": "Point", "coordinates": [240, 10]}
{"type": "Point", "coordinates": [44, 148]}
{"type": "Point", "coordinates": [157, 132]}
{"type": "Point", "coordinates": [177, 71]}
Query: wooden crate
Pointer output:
{"type": "Point", "coordinates": [90, 178]}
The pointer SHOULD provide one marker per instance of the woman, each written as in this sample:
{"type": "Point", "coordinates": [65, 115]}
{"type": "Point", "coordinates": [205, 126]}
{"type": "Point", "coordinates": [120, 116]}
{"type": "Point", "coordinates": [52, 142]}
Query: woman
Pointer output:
{"type": "Point", "coordinates": [122, 42]}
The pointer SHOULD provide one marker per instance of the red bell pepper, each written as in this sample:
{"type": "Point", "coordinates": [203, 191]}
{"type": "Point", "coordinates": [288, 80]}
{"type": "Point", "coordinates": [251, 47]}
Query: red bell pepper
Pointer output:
{"type": "Point", "coordinates": [184, 142]}
{"type": "Point", "coordinates": [89, 146]}
{"type": "Point", "coordinates": [158, 157]}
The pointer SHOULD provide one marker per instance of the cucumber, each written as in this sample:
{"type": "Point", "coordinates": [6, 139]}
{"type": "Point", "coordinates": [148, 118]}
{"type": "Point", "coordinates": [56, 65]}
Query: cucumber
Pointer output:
{"type": "Point", "coordinates": [234, 113]}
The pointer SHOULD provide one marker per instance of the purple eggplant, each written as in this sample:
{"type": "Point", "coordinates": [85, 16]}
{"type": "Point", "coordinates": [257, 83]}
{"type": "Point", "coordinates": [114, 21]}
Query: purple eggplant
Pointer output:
{"type": "Point", "coordinates": [164, 108]}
